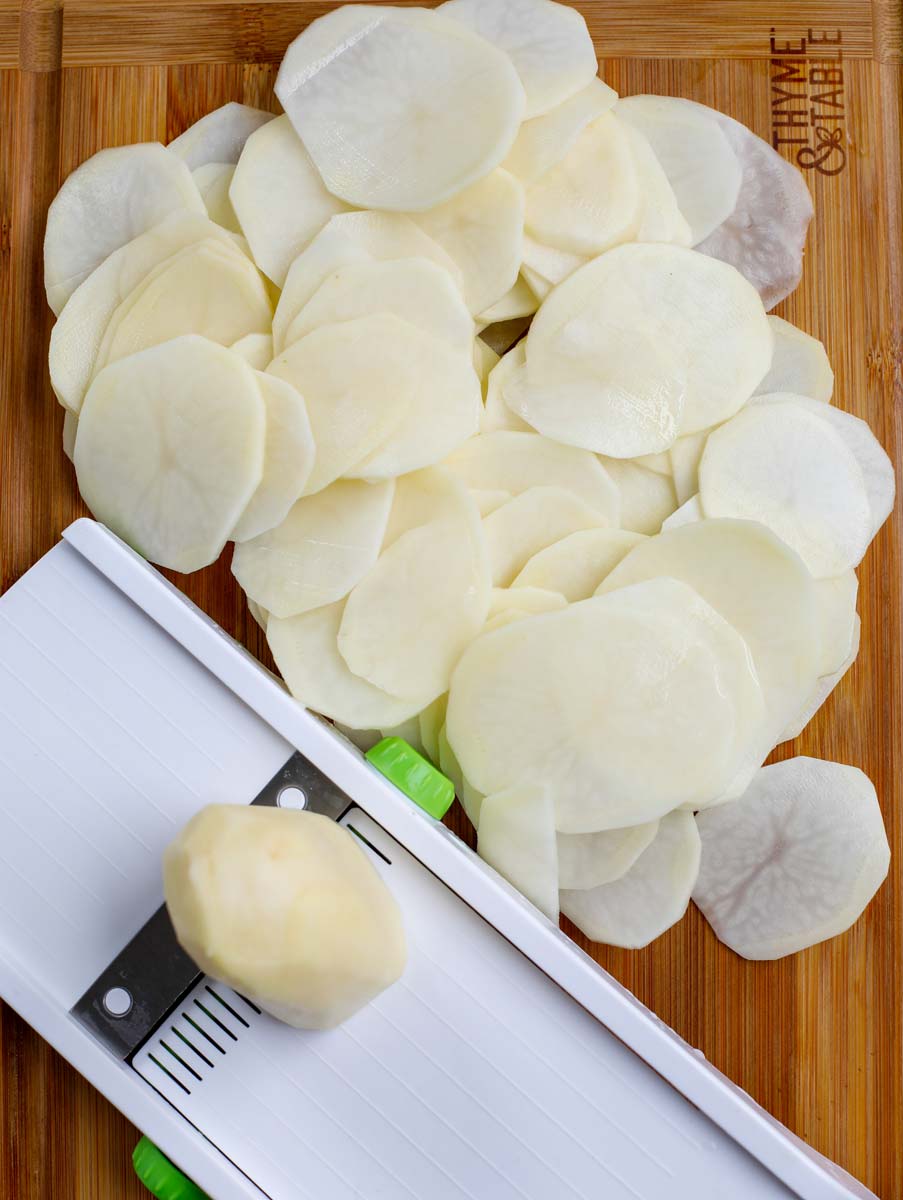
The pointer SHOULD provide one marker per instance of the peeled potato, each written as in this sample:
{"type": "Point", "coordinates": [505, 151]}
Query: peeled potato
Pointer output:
{"type": "Point", "coordinates": [518, 301]}
{"type": "Point", "coordinates": [213, 181]}
{"type": "Point", "coordinates": [421, 498]}
{"type": "Point", "coordinates": [256, 349]}
{"type": "Point", "coordinates": [799, 364]}
{"type": "Point", "coordinates": [400, 109]}
{"type": "Point", "coordinates": [496, 413]}
{"type": "Point", "coordinates": [113, 197]}
{"type": "Point", "coordinates": [70, 428]}
{"type": "Point", "coordinates": [471, 800]}
{"type": "Point", "coordinates": [170, 449]}
{"type": "Point", "coordinates": [543, 141]}
{"type": "Point", "coordinates": [323, 547]}
{"type": "Point", "coordinates": [538, 284]}
{"type": "Point", "coordinates": [685, 456]}
{"type": "Point", "coordinates": [484, 360]}
{"type": "Point", "coordinates": [661, 219]}
{"type": "Point", "coordinates": [531, 521]}
{"type": "Point", "coordinates": [551, 263]}
{"type": "Point", "coordinates": [526, 600]}
{"type": "Point", "coordinates": [516, 836]}
{"type": "Point", "coordinates": [651, 897]}
{"type": "Point", "coordinates": [836, 605]}
{"type": "Point", "coordinates": [824, 686]}
{"type": "Point", "coordinates": [219, 136]}
{"type": "Point", "coordinates": [587, 860]}
{"type": "Point", "coordinates": [647, 497]}
{"type": "Point", "coordinates": [285, 907]}
{"type": "Point", "coordinates": [431, 719]}
{"type": "Point", "coordinates": [279, 198]}
{"type": "Point", "coordinates": [576, 564]}
{"type": "Point", "coordinates": [688, 513]}
{"type": "Point", "coordinates": [794, 861]}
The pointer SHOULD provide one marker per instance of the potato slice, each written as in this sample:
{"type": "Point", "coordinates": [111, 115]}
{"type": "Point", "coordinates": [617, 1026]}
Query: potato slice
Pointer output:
{"type": "Point", "coordinates": [414, 289]}
{"type": "Point", "coordinates": [170, 449]}
{"type": "Point", "coordinates": [661, 219]}
{"type": "Point", "coordinates": [651, 897]}
{"type": "Point", "coordinates": [538, 284]}
{"type": "Point", "coordinates": [824, 686]}
{"type": "Point", "coordinates": [552, 264]}
{"type": "Point", "coordinates": [256, 349]}
{"type": "Point", "coordinates": [219, 136]}
{"type": "Point", "coordinates": [482, 229]}
{"type": "Point", "coordinates": [488, 501]}
{"type": "Point", "coordinates": [683, 310]}
{"type": "Point", "coordinates": [529, 523]}
{"type": "Point", "coordinates": [325, 545]}
{"type": "Point", "coordinates": [431, 720]}
{"type": "Point", "coordinates": [527, 600]}
{"type": "Point", "coordinates": [544, 141]}
{"type": "Point", "coordinates": [308, 659]}
{"type": "Point", "coordinates": [647, 497]}
{"type": "Point", "coordinates": [349, 238]}
{"type": "Point", "coordinates": [835, 601]}
{"type": "Point", "coordinates": [695, 153]}
{"type": "Point", "coordinates": [659, 463]}
{"type": "Point", "coordinates": [799, 364]}
{"type": "Point", "coordinates": [213, 181]}
{"type": "Point", "coordinates": [77, 335]}
{"type": "Point", "coordinates": [408, 731]}
{"type": "Point", "coordinates": [626, 705]}
{"type": "Point", "coordinates": [496, 413]}
{"type": "Point", "coordinates": [400, 109]}
{"type": "Point", "coordinates": [794, 861]}
{"type": "Point", "coordinates": [688, 513]}
{"type": "Point", "coordinates": [516, 836]}
{"type": "Point", "coordinates": [113, 197]}
{"type": "Point", "coordinates": [590, 200]}
{"type": "Point", "coordinates": [471, 800]}
{"type": "Point", "coordinates": [518, 301]}
{"type": "Point", "coordinates": [513, 462]}
{"type": "Point", "coordinates": [685, 456]}
{"type": "Point", "coordinates": [279, 198]}
{"type": "Point", "coordinates": [407, 622]}
{"type": "Point", "coordinates": [288, 459]}
{"type": "Point", "coordinates": [576, 565]}
{"type": "Point", "coordinates": [484, 360]}
{"type": "Point", "coordinates": [587, 860]}
{"type": "Point", "coordinates": [70, 428]}
{"type": "Point", "coordinates": [548, 43]}
{"type": "Point", "coordinates": [423, 497]}
{"type": "Point", "coordinates": [789, 469]}
{"type": "Point", "coordinates": [260, 614]}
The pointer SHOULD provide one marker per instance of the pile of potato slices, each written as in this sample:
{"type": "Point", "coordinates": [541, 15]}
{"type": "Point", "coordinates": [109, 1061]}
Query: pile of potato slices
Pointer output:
{"type": "Point", "coordinates": [595, 580]}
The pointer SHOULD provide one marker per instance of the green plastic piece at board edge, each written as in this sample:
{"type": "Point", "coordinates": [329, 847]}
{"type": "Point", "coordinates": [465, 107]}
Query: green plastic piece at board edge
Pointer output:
{"type": "Point", "coordinates": [160, 1177]}
{"type": "Point", "coordinates": [413, 775]}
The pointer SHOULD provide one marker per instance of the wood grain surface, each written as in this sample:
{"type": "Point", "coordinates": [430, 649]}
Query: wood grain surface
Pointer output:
{"type": "Point", "coordinates": [817, 1038]}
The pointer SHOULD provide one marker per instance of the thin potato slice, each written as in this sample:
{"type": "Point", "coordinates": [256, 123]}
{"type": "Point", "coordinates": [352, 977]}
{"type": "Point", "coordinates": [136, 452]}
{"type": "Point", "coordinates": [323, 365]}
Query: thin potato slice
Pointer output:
{"type": "Point", "coordinates": [308, 659]}
{"type": "Point", "coordinates": [488, 501]}
{"type": "Point", "coordinates": [538, 284]}
{"type": "Point", "coordinates": [548, 43]}
{"type": "Point", "coordinates": [794, 861]}
{"type": "Point", "coordinates": [627, 705]}
{"type": "Point", "coordinates": [552, 264]}
{"type": "Point", "coordinates": [688, 513]}
{"type": "Point", "coordinates": [400, 109]}
{"type": "Point", "coordinates": [482, 230]}
{"type": "Point", "coordinates": [659, 463]}
{"type": "Point", "coordinates": [170, 449]}
{"type": "Point", "coordinates": [496, 413]}
{"type": "Point", "coordinates": [70, 429]}
{"type": "Point", "coordinates": [518, 301]}
{"type": "Point", "coordinates": [113, 197]}
{"type": "Point", "coordinates": [799, 365]}
{"type": "Point", "coordinates": [471, 800]}
{"type": "Point", "coordinates": [279, 198]}
{"type": "Point", "coordinates": [789, 469]}
{"type": "Point", "coordinates": [529, 523]}
{"type": "Point", "coordinates": [516, 836]}
{"type": "Point", "coordinates": [544, 141]}
{"type": "Point", "coordinates": [587, 860]}
{"type": "Point", "coordinates": [661, 220]}
{"type": "Point", "coordinates": [576, 565]}
{"type": "Point", "coordinates": [325, 545]}
{"type": "Point", "coordinates": [421, 498]}
{"type": "Point", "coordinates": [685, 455]}
{"type": "Point", "coordinates": [513, 462]}
{"type": "Point", "coordinates": [260, 614]}
{"type": "Point", "coordinates": [647, 497]}
{"type": "Point", "coordinates": [431, 720]}
{"type": "Point", "coordinates": [408, 731]}
{"type": "Point", "coordinates": [219, 136]}
{"type": "Point", "coordinates": [590, 200]}
{"type": "Point", "coordinates": [824, 686]}
{"type": "Point", "coordinates": [484, 360]}
{"type": "Point", "coordinates": [256, 349]}
{"type": "Point", "coordinates": [213, 181]}
{"type": "Point", "coordinates": [836, 605]}
{"type": "Point", "coordinates": [288, 459]}
{"type": "Point", "coordinates": [651, 897]}
{"type": "Point", "coordinates": [695, 154]}
{"type": "Point", "coordinates": [528, 600]}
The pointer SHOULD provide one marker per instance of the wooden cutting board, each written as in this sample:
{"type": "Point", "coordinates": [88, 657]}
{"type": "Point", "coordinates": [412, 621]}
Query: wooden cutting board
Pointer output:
{"type": "Point", "coordinates": [818, 1038]}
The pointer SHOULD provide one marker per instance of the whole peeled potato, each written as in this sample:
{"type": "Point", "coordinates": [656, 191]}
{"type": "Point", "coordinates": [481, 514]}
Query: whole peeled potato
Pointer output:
{"type": "Point", "coordinates": [285, 907]}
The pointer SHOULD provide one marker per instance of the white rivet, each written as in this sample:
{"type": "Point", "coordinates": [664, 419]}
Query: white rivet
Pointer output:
{"type": "Point", "coordinates": [117, 1002]}
{"type": "Point", "coordinates": [292, 797]}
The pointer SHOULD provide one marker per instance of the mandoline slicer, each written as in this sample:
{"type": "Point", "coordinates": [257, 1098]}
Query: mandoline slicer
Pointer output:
{"type": "Point", "coordinates": [505, 1065]}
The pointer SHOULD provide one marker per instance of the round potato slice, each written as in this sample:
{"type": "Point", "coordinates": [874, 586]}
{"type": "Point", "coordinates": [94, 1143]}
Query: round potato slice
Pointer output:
{"type": "Point", "coordinates": [548, 43]}
{"type": "Point", "coordinates": [576, 565]}
{"type": "Point", "coordinates": [552, 264]}
{"type": "Point", "coordinates": [530, 522]}
{"type": "Point", "coordinates": [528, 600]}
{"type": "Point", "coordinates": [482, 230]}
{"type": "Point", "coordinates": [695, 153]}
{"type": "Point", "coordinates": [683, 310]}
{"type": "Point", "coordinates": [70, 428]}
{"type": "Point", "coordinates": [626, 705]}
{"type": "Point", "coordinates": [824, 686]}
{"type": "Point", "coordinates": [219, 136]}
{"type": "Point", "coordinates": [661, 219]}
{"type": "Point", "coordinates": [260, 615]}
{"type": "Point", "coordinates": [484, 360]}
{"type": "Point", "coordinates": [538, 284]}
{"type": "Point", "coordinates": [400, 109]}
{"type": "Point", "coordinates": [324, 546]}
{"type": "Point", "coordinates": [496, 413]}
{"type": "Point", "coordinates": [518, 301]}
{"type": "Point", "coordinates": [651, 897]}
{"type": "Point", "coordinates": [688, 513]}
{"type": "Point", "coordinates": [513, 462]}
{"type": "Point", "coordinates": [647, 497]}
{"type": "Point", "coordinates": [685, 455]}
{"type": "Point", "coordinates": [431, 720]}
{"type": "Point", "coordinates": [407, 622]}
{"type": "Point", "coordinates": [308, 659]}
{"type": "Point", "coordinates": [516, 836]}
{"type": "Point", "coordinates": [288, 459]}
{"type": "Point", "coordinates": [799, 364]}
{"type": "Point", "coordinates": [350, 238]}
{"type": "Point", "coordinates": [590, 200]}
{"type": "Point", "coordinates": [279, 198]}
{"type": "Point", "coordinates": [488, 501]}
{"type": "Point", "coordinates": [421, 498]}
{"type": "Point", "coordinates": [794, 861]}
{"type": "Point", "coordinates": [587, 860]}
{"type": "Point", "coordinates": [170, 449]}
{"type": "Point", "coordinates": [213, 181]}
{"type": "Point", "coordinates": [789, 469]}
{"type": "Point", "coordinates": [113, 197]}
{"type": "Point", "coordinates": [544, 141]}
{"type": "Point", "coordinates": [256, 349]}
{"type": "Point", "coordinates": [471, 800]}
{"type": "Point", "coordinates": [414, 289]}
{"type": "Point", "coordinates": [835, 601]}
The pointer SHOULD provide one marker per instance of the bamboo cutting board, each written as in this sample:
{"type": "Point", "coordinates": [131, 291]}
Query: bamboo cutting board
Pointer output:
{"type": "Point", "coordinates": [817, 1038]}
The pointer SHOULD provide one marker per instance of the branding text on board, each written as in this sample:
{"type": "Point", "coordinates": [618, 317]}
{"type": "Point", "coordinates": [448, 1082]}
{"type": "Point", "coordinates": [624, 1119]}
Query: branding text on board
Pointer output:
{"type": "Point", "coordinates": [808, 107]}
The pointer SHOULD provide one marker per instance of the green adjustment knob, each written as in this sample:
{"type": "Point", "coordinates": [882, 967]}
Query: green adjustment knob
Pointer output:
{"type": "Point", "coordinates": [413, 775]}
{"type": "Point", "coordinates": [160, 1177]}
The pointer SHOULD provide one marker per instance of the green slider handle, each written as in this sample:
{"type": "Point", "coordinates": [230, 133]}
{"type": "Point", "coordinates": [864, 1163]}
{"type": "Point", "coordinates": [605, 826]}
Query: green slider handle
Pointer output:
{"type": "Point", "coordinates": [160, 1177]}
{"type": "Point", "coordinates": [413, 775]}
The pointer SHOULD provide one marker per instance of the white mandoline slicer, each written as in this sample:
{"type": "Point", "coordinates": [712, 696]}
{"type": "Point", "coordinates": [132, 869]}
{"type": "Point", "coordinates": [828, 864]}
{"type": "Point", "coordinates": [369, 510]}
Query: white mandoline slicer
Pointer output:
{"type": "Point", "coordinates": [505, 1065]}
